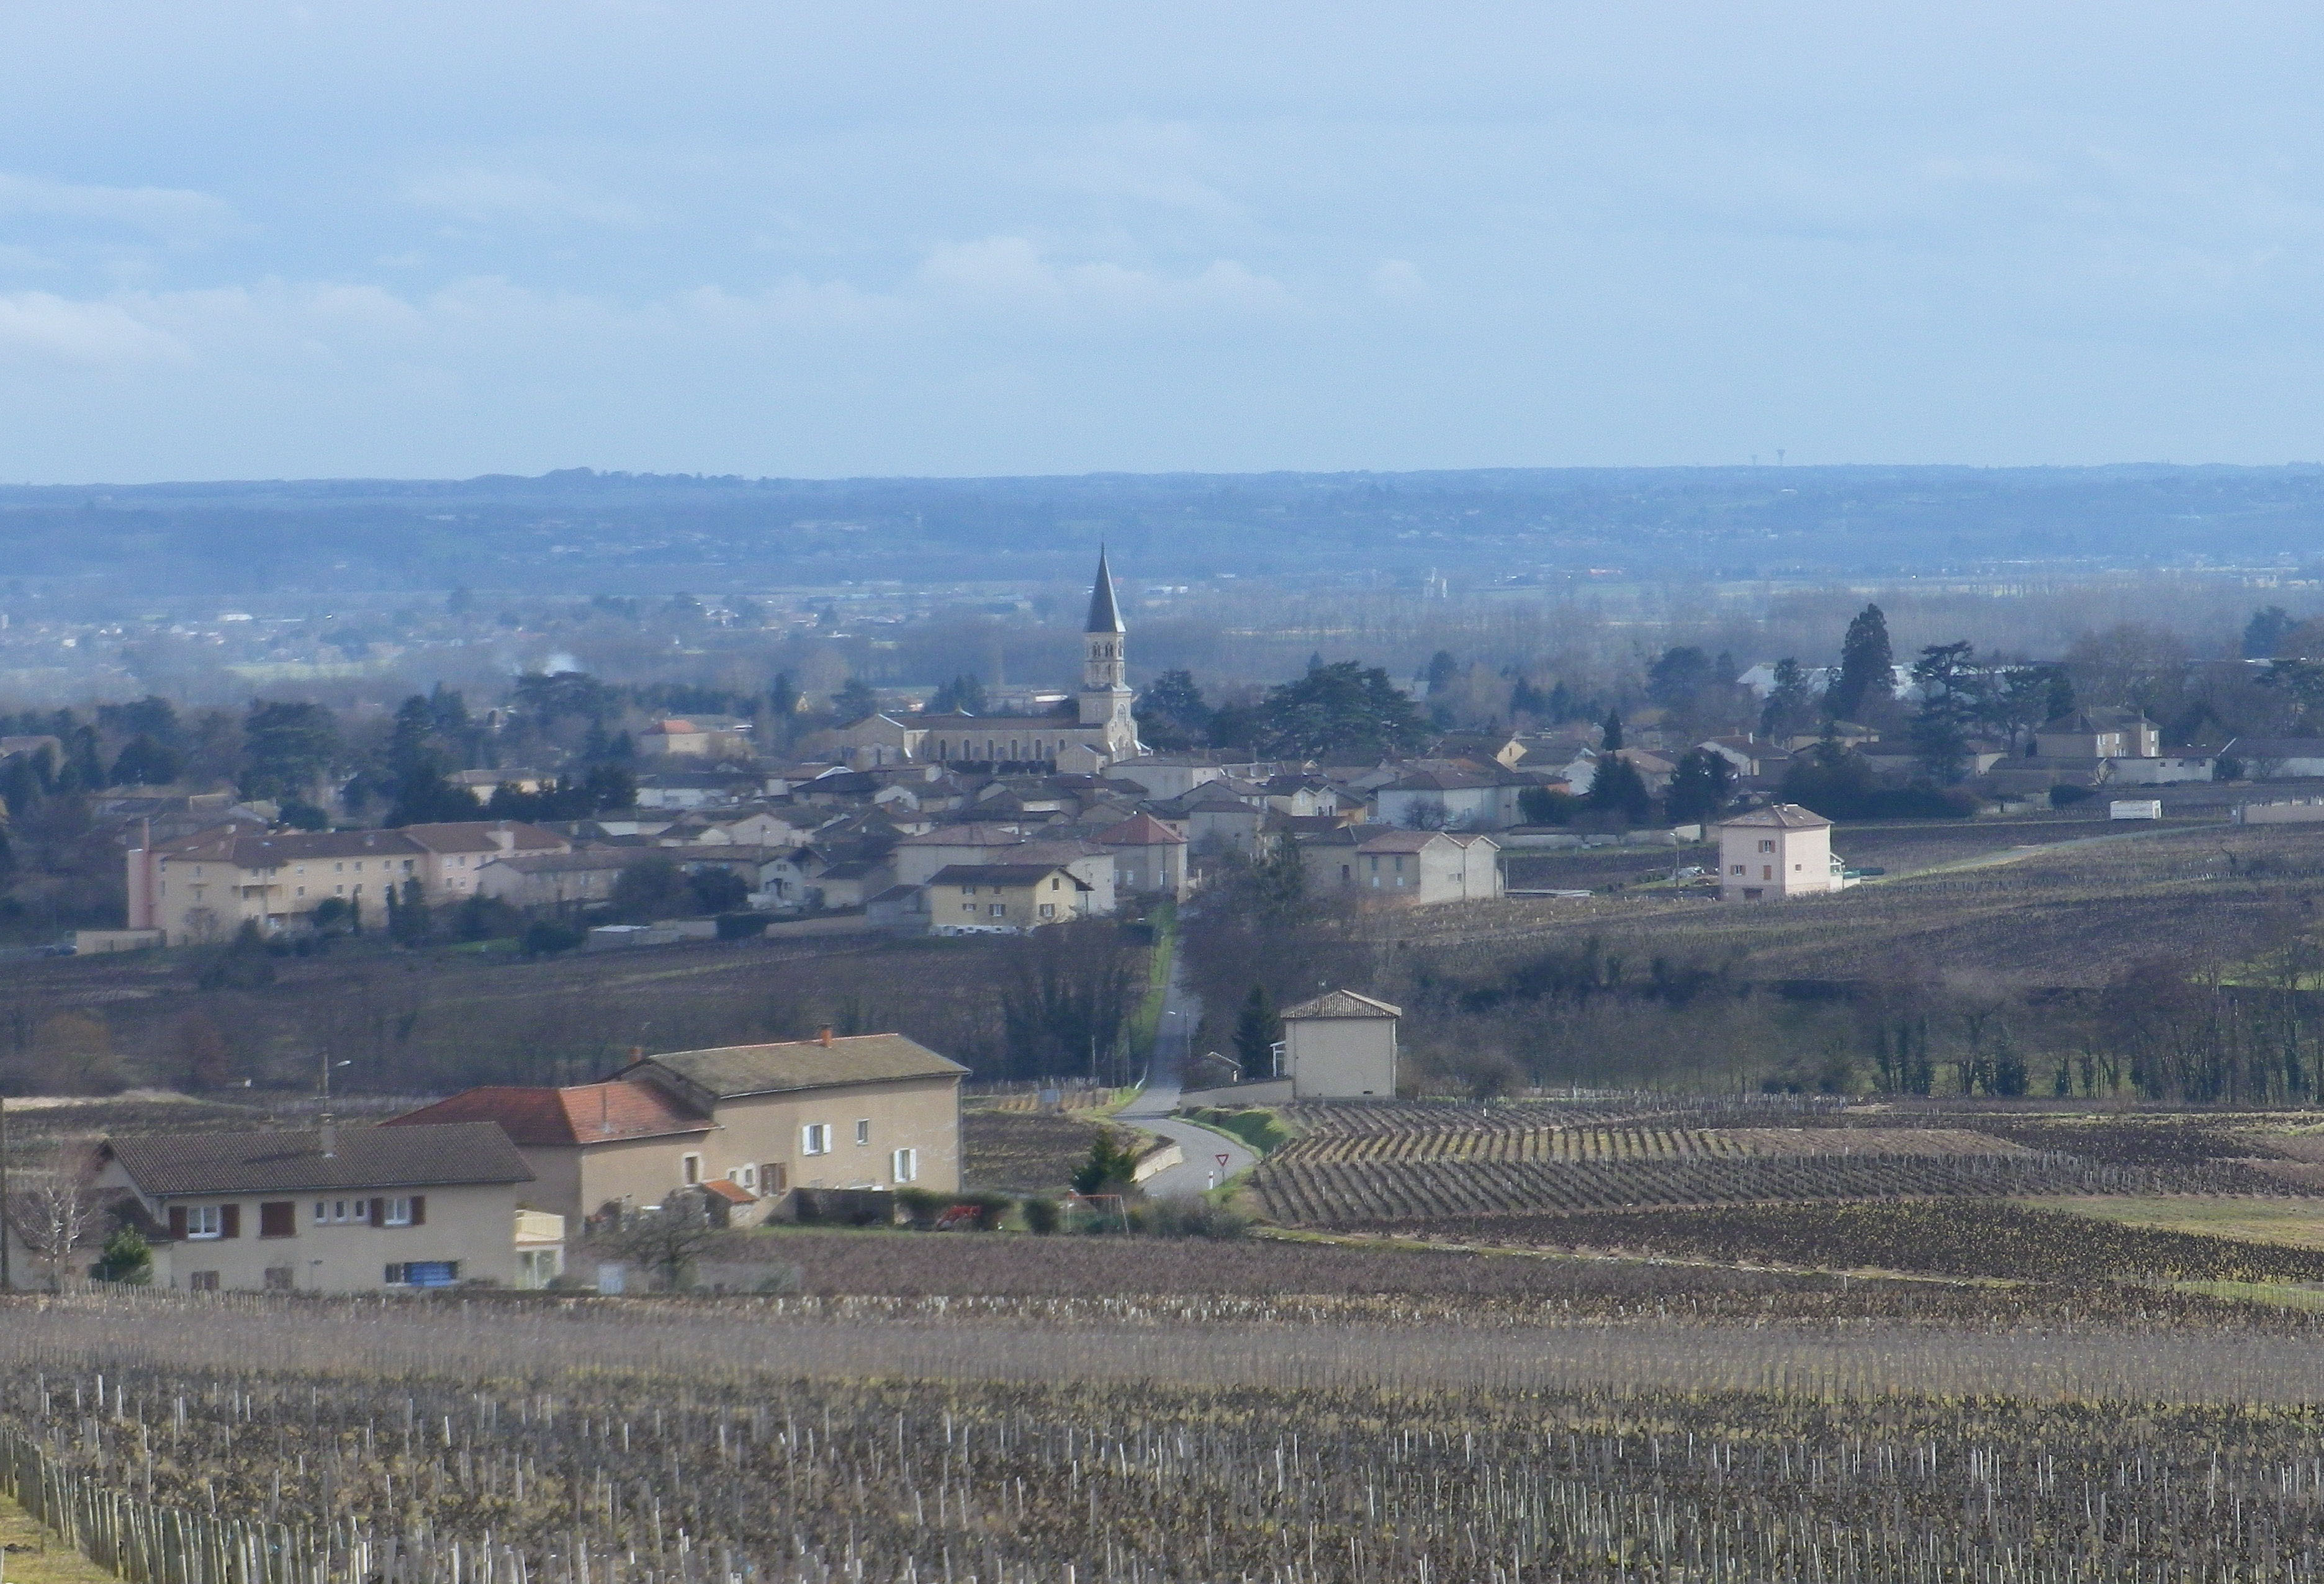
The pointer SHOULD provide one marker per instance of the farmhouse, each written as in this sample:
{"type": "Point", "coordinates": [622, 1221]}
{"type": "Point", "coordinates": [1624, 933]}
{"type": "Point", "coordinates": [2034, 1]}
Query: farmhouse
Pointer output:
{"type": "Point", "coordinates": [335, 1210]}
{"type": "Point", "coordinates": [874, 1110]}
{"type": "Point", "coordinates": [1380, 863]}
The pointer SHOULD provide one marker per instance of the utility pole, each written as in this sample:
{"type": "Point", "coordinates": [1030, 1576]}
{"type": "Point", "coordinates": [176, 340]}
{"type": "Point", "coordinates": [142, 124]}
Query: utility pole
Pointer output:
{"type": "Point", "coordinates": [7, 1281]}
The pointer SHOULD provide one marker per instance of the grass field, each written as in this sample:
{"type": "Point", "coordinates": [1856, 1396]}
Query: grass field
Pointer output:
{"type": "Point", "coordinates": [32, 1556]}
{"type": "Point", "coordinates": [2292, 1223]}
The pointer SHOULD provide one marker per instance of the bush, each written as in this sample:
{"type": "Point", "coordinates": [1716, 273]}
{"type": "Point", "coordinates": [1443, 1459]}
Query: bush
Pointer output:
{"type": "Point", "coordinates": [1188, 1218]}
{"type": "Point", "coordinates": [1040, 1215]}
{"type": "Point", "coordinates": [743, 926]}
{"type": "Point", "coordinates": [545, 937]}
{"type": "Point", "coordinates": [2067, 797]}
{"type": "Point", "coordinates": [919, 1207]}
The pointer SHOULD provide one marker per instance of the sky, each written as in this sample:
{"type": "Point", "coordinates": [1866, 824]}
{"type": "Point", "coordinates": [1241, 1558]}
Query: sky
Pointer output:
{"type": "Point", "coordinates": [800, 239]}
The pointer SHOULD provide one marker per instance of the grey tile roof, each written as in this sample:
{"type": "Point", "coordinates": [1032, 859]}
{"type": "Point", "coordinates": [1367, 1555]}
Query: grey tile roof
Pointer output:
{"type": "Point", "coordinates": [733, 1070]}
{"type": "Point", "coordinates": [287, 1162]}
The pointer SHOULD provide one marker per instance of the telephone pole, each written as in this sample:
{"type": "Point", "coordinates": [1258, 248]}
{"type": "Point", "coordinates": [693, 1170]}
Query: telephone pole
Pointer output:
{"type": "Point", "coordinates": [7, 1283]}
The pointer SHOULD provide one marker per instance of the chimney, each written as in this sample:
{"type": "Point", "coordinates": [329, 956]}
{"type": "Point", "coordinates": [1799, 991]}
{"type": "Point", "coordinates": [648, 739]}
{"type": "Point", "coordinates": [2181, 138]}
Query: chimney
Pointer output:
{"type": "Point", "coordinates": [605, 1109]}
{"type": "Point", "coordinates": [825, 1036]}
{"type": "Point", "coordinates": [328, 1132]}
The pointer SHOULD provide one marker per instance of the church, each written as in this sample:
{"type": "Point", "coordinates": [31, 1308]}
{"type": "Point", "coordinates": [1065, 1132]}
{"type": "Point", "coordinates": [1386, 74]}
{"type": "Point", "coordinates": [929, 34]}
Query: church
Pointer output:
{"type": "Point", "coordinates": [1097, 732]}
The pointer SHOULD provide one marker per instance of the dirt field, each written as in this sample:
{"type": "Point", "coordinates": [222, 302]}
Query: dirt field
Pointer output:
{"type": "Point", "coordinates": [1023, 1152]}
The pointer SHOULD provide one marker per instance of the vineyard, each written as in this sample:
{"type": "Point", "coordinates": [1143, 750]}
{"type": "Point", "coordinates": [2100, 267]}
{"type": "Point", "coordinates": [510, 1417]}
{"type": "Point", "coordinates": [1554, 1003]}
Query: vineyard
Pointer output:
{"type": "Point", "coordinates": [312, 1443]}
{"type": "Point", "coordinates": [1640, 1141]}
{"type": "Point", "coordinates": [1299, 1192]}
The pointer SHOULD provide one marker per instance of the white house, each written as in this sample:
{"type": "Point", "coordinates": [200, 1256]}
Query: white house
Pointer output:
{"type": "Point", "coordinates": [1778, 851]}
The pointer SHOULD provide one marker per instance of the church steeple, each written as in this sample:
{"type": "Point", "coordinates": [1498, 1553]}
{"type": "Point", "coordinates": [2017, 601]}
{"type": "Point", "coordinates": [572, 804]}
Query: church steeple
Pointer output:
{"type": "Point", "coordinates": [1105, 696]}
{"type": "Point", "coordinates": [1104, 615]}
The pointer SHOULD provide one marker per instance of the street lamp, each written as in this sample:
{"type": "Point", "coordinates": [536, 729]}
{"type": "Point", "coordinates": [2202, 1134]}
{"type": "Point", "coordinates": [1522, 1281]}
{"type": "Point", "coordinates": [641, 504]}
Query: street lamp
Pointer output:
{"type": "Point", "coordinates": [328, 1066]}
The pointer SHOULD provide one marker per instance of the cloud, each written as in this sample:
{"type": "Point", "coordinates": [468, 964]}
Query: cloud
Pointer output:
{"type": "Point", "coordinates": [42, 325]}
{"type": "Point", "coordinates": [1012, 271]}
{"type": "Point", "coordinates": [175, 215]}
{"type": "Point", "coordinates": [479, 194]}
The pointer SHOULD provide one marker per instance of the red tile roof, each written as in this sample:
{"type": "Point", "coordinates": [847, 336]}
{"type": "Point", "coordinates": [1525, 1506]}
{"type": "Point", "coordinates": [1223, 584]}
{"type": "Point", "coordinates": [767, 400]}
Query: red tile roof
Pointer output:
{"type": "Point", "coordinates": [579, 1113]}
{"type": "Point", "coordinates": [1143, 830]}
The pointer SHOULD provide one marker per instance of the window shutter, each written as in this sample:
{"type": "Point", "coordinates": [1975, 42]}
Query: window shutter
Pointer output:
{"type": "Point", "coordinates": [379, 1213]}
{"type": "Point", "coordinates": [420, 1210]}
{"type": "Point", "coordinates": [229, 1221]}
{"type": "Point", "coordinates": [176, 1223]}
{"type": "Point", "coordinates": [278, 1218]}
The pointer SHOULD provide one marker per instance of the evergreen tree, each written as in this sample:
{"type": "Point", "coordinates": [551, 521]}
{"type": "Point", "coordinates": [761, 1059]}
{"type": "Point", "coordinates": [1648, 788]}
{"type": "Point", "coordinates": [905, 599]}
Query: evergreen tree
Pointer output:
{"type": "Point", "coordinates": [1867, 666]}
{"type": "Point", "coordinates": [1699, 787]}
{"type": "Point", "coordinates": [1790, 703]}
{"type": "Point", "coordinates": [1616, 788]}
{"type": "Point", "coordinates": [1258, 1030]}
{"type": "Point", "coordinates": [857, 701]}
{"type": "Point", "coordinates": [143, 761]}
{"type": "Point", "coordinates": [1171, 712]}
{"type": "Point", "coordinates": [286, 749]}
{"type": "Point", "coordinates": [1948, 682]}
{"type": "Point", "coordinates": [1443, 671]}
{"type": "Point", "coordinates": [1111, 1168]}
{"type": "Point", "coordinates": [1611, 742]}
{"type": "Point", "coordinates": [2060, 695]}
{"type": "Point", "coordinates": [1340, 709]}
{"type": "Point", "coordinates": [2264, 633]}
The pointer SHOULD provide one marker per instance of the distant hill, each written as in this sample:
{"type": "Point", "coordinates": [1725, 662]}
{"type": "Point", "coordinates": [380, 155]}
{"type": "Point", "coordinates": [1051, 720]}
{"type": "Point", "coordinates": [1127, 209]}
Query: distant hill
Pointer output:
{"type": "Point", "coordinates": [585, 533]}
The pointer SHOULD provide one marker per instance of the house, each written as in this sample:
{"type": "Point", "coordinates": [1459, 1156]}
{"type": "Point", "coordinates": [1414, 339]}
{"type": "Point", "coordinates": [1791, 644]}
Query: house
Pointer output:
{"type": "Point", "coordinates": [456, 854]}
{"type": "Point", "coordinates": [1415, 867]}
{"type": "Point", "coordinates": [1173, 775]}
{"type": "Point", "coordinates": [867, 1110]}
{"type": "Point", "coordinates": [873, 1110]}
{"type": "Point", "coordinates": [557, 880]}
{"type": "Point", "coordinates": [674, 789]}
{"type": "Point", "coordinates": [1452, 798]}
{"type": "Point", "coordinates": [331, 1210]}
{"type": "Point", "coordinates": [2099, 733]}
{"type": "Point", "coordinates": [1750, 755]}
{"type": "Point", "coordinates": [480, 785]}
{"type": "Point", "coordinates": [697, 737]}
{"type": "Point", "coordinates": [1340, 1045]}
{"type": "Point", "coordinates": [589, 1146]}
{"type": "Point", "coordinates": [1778, 851]}
{"type": "Point", "coordinates": [1149, 858]}
{"type": "Point", "coordinates": [1005, 895]}
{"type": "Point", "coordinates": [917, 858]}
{"type": "Point", "coordinates": [1217, 822]}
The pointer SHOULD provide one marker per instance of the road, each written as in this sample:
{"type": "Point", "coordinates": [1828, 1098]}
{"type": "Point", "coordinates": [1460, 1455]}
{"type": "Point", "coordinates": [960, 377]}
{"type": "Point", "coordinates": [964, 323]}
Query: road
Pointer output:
{"type": "Point", "coordinates": [1151, 1110]}
{"type": "Point", "coordinates": [1182, 1013]}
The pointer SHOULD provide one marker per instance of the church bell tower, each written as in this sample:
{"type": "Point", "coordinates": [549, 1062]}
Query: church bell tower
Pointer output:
{"type": "Point", "coordinates": [1105, 696]}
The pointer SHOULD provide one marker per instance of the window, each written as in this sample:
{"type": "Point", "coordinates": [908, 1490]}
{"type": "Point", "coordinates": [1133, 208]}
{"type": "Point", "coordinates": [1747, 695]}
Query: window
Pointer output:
{"type": "Point", "coordinates": [336, 869]}
{"type": "Point", "coordinates": [691, 1166]}
{"type": "Point", "coordinates": [1001, 910]}
{"type": "Point", "coordinates": [745, 1177]}
{"type": "Point", "coordinates": [201, 1281]}
{"type": "Point", "coordinates": [1048, 909]}
{"type": "Point", "coordinates": [1736, 869]}
{"type": "Point", "coordinates": [815, 1139]}
{"type": "Point", "coordinates": [968, 890]}
{"type": "Point", "coordinates": [399, 1212]}
{"type": "Point", "coordinates": [278, 1218]}
{"type": "Point", "coordinates": [864, 1132]}
{"type": "Point", "coordinates": [905, 1166]}
{"type": "Point", "coordinates": [203, 1221]}
{"type": "Point", "coordinates": [774, 1177]}
{"type": "Point", "coordinates": [1766, 846]}
{"type": "Point", "coordinates": [967, 907]}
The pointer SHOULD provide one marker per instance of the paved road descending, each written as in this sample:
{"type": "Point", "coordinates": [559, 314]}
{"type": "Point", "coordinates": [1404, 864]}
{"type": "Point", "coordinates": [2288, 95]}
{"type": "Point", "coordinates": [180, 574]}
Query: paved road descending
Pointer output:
{"type": "Point", "coordinates": [1151, 1110]}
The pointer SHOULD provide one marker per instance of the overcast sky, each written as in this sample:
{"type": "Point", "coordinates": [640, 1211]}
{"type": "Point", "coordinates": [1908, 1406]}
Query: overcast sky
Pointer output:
{"type": "Point", "coordinates": [257, 240]}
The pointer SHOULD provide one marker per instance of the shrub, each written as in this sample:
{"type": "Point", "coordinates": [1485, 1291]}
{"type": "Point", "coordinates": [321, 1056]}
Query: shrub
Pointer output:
{"type": "Point", "coordinates": [1188, 1218]}
{"type": "Point", "coordinates": [919, 1206]}
{"type": "Point", "coordinates": [2067, 797]}
{"type": "Point", "coordinates": [743, 926]}
{"type": "Point", "coordinates": [1040, 1215]}
{"type": "Point", "coordinates": [545, 937]}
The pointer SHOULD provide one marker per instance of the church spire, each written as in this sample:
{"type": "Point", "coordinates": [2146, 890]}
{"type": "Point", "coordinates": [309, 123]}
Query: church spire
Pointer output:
{"type": "Point", "coordinates": [1104, 615]}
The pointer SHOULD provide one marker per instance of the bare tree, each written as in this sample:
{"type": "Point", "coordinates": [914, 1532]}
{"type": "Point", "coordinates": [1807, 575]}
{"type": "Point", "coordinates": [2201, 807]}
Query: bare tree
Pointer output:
{"type": "Point", "coordinates": [57, 1212]}
{"type": "Point", "coordinates": [665, 1239]}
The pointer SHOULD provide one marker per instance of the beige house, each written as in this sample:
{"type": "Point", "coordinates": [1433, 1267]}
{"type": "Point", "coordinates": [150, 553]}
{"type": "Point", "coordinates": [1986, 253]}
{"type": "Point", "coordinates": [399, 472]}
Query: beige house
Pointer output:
{"type": "Point", "coordinates": [1340, 1045]}
{"type": "Point", "coordinates": [1409, 868]}
{"type": "Point", "coordinates": [1005, 895]}
{"type": "Point", "coordinates": [1149, 858]}
{"type": "Point", "coordinates": [335, 1210]}
{"type": "Point", "coordinates": [867, 1110]}
{"type": "Point", "coordinates": [588, 1146]}
{"type": "Point", "coordinates": [696, 737]}
{"type": "Point", "coordinates": [1778, 851]}
{"type": "Point", "coordinates": [2101, 733]}
{"type": "Point", "coordinates": [205, 886]}
{"type": "Point", "coordinates": [875, 1111]}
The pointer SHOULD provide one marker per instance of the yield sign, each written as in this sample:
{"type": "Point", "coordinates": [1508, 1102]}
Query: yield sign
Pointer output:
{"type": "Point", "coordinates": [1224, 1159]}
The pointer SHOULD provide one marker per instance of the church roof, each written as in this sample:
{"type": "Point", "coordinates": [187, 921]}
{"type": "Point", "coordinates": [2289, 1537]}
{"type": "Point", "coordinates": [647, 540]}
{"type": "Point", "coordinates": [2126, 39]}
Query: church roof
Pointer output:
{"type": "Point", "coordinates": [1104, 615]}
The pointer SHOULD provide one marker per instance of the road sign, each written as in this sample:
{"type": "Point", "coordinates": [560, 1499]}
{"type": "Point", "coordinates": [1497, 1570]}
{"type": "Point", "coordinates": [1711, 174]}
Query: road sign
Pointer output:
{"type": "Point", "coordinates": [1223, 1162]}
